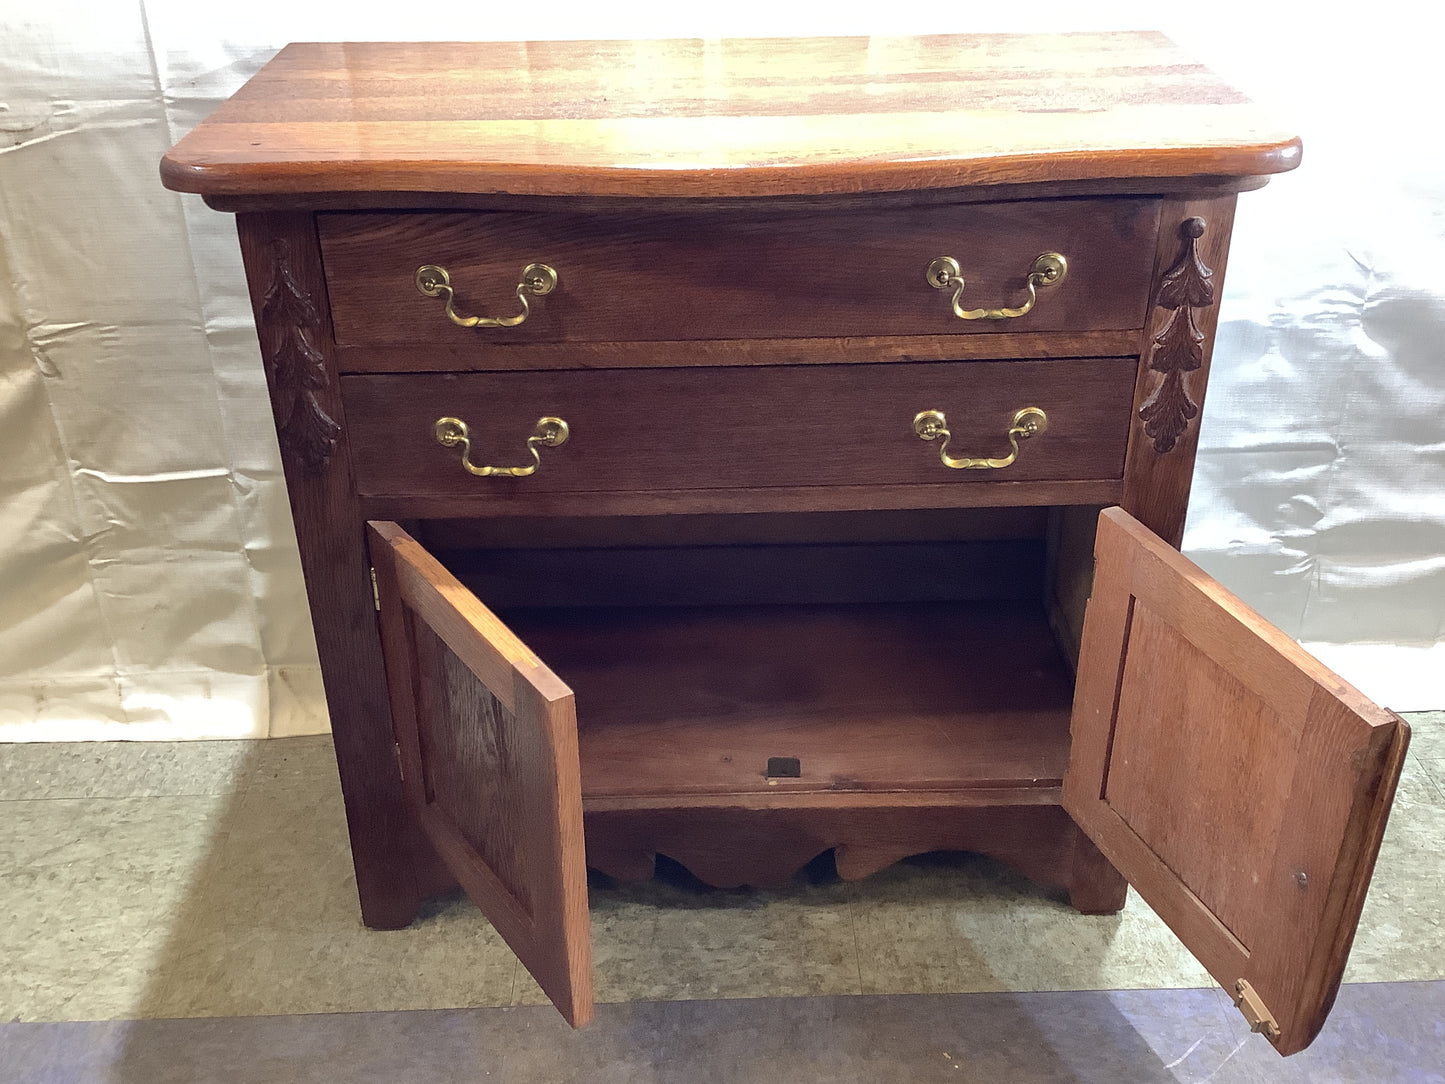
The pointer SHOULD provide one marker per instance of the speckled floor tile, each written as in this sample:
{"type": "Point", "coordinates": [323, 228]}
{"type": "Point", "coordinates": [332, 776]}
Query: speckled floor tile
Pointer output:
{"type": "Point", "coordinates": [1402, 929]}
{"type": "Point", "coordinates": [1427, 734]}
{"type": "Point", "coordinates": [1427, 746]}
{"type": "Point", "coordinates": [276, 927]}
{"type": "Point", "coordinates": [89, 890]}
{"type": "Point", "coordinates": [231, 892]}
{"type": "Point", "coordinates": [306, 762]}
{"type": "Point", "coordinates": [962, 923]}
{"type": "Point", "coordinates": [672, 939]}
{"type": "Point", "coordinates": [1435, 771]}
{"type": "Point", "coordinates": [30, 770]}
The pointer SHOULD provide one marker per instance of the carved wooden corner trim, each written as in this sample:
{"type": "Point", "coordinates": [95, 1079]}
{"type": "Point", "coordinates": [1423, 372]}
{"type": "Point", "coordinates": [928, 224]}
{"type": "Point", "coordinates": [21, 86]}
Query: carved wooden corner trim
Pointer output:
{"type": "Point", "coordinates": [289, 321]}
{"type": "Point", "coordinates": [1179, 347]}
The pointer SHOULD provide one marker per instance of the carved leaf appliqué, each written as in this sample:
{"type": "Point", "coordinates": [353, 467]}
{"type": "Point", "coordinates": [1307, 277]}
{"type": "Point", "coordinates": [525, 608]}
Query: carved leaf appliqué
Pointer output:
{"type": "Point", "coordinates": [1179, 347]}
{"type": "Point", "coordinates": [298, 371]}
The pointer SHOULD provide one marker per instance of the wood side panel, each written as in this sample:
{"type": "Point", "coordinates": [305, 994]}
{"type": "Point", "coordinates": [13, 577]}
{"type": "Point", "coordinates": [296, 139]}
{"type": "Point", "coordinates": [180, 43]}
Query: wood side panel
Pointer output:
{"type": "Point", "coordinates": [288, 294]}
{"type": "Point", "coordinates": [1240, 785]}
{"type": "Point", "coordinates": [744, 428]}
{"type": "Point", "coordinates": [726, 118]}
{"type": "Point", "coordinates": [1159, 473]}
{"type": "Point", "coordinates": [489, 740]}
{"type": "Point", "coordinates": [639, 276]}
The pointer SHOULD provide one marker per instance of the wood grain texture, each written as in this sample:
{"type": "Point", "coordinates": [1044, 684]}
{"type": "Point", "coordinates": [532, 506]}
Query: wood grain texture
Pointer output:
{"type": "Point", "coordinates": [926, 525]}
{"type": "Point", "coordinates": [1239, 785]}
{"type": "Point", "coordinates": [675, 276]}
{"type": "Point", "coordinates": [777, 499]}
{"type": "Point", "coordinates": [1178, 348]}
{"type": "Point", "coordinates": [288, 323]}
{"type": "Point", "coordinates": [747, 428]}
{"type": "Point", "coordinates": [684, 701]}
{"type": "Point", "coordinates": [727, 847]}
{"type": "Point", "coordinates": [487, 737]}
{"type": "Point", "coordinates": [1158, 478]}
{"type": "Point", "coordinates": [744, 117]}
{"type": "Point", "coordinates": [385, 845]}
{"type": "Point", "coordinates": [481, 355]}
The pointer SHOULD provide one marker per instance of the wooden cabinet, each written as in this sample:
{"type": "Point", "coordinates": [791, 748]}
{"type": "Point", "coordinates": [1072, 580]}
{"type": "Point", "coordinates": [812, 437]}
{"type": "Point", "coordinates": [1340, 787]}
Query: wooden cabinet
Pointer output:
{"type": "Point", "coordinates": [688, 458]}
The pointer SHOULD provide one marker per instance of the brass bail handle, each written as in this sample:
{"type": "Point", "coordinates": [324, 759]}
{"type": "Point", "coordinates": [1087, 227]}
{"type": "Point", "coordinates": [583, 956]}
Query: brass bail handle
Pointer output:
{"type": "Point", "coordinates": [1028, 422]}
{"type": "Point", "coordinates": [1048, 270]}
{"type": "Point", "coordinates": [537, 279]}
{"type": "Point", "coordinates": [547, 433]}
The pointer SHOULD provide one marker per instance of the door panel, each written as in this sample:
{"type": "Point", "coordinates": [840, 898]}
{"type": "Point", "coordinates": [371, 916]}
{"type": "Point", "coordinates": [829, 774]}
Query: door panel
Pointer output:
{"type": "Point", "coordinates": [1239, 785]}
{"type": "Point", "coordinates": [487, 739]}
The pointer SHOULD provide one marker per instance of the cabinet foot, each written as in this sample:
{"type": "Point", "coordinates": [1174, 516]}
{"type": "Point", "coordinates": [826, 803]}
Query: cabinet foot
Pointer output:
{"type": "Point", "coordinates": [1095, 886]}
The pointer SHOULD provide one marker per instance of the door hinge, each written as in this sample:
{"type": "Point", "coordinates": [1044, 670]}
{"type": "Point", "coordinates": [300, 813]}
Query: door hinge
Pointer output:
{"type": "Point", "coordinates": [396, 752]}
{"type": "Point", "coordinates": [375, 592]}
{"type": "Point", "coordinates": [1247, 1001]}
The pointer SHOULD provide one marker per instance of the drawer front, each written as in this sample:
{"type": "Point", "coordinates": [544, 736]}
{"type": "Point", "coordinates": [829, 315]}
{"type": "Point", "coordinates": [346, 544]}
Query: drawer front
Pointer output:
{"type": "Point", "coordinates": [695, 429]}
{"type": "Point", "coordinates": [671, 277]}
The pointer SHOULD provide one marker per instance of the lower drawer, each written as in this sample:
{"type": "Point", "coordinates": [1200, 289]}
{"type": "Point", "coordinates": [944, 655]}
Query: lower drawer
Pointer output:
{"type": "Point", "coordinates": [738, 428]}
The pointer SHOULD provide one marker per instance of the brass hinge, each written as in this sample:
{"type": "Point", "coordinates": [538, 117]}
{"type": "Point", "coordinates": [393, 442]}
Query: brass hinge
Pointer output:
{"type": "Point", "coordinates": [1247, 1001]}
{"type": "Point", "coordinates": [375, 592]}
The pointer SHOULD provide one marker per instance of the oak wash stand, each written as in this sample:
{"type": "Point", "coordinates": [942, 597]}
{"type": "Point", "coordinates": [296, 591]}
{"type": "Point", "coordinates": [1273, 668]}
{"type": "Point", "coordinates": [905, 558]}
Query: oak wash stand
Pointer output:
{"type": "Point", "coordinates": [708, 448]}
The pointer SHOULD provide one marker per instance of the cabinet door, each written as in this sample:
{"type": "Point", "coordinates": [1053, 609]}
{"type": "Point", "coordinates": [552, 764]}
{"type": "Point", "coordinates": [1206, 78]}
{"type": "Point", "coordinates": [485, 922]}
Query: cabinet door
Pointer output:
{"type": "Point", "coordinates": [487, 740]}
{"type": "Point", "coordinates": [1240, 786]}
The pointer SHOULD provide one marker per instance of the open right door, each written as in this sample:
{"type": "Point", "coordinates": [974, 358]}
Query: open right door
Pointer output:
{"type": "Point", "coordinates": [1239, 785]}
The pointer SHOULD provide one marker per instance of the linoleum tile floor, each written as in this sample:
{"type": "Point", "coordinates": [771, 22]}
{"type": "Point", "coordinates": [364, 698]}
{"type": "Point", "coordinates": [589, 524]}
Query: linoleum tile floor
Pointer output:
{"type": "Point", "coordinates": [186, 912]}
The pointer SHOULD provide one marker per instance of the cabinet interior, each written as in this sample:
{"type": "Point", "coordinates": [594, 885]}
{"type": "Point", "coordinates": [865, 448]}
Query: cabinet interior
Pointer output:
{"type": "Point", "coordinates": [921, 651]}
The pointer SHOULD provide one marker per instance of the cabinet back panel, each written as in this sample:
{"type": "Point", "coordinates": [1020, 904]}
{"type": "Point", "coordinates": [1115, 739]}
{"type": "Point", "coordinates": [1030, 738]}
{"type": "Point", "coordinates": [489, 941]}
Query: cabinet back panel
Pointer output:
{"type": "Point", "coordinates": [753, 575]}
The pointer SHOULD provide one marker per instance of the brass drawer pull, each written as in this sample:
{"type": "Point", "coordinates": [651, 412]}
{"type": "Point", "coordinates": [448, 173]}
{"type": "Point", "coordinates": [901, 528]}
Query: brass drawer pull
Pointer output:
{"type": "Point", "coordinates": [1048, 269]}
{"type": "Point", "coordinates": [1028, 422]}
{"type": "Point", "coordinates": [548, 433]}
{"type": "Point", "coordinates": [537, 279]}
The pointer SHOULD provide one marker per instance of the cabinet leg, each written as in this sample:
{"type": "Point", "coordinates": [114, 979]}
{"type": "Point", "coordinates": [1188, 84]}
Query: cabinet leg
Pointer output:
{"type": "Point", "coordinates": [288, 291]}
{"type": "Point", "coordinates": [1095, 887]}
{"type": "Point", "coordinates": [384, 840]}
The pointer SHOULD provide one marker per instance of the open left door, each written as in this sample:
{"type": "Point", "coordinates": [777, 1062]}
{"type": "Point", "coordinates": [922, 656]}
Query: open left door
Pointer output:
{"type": "Point", "coordinates": [487, 737]}
{"type": "Point", "coordinates": [1239, 785]}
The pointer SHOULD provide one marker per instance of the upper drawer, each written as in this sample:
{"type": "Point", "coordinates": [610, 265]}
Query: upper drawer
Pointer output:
{"type": "Point", "coordinates": [666, 277]}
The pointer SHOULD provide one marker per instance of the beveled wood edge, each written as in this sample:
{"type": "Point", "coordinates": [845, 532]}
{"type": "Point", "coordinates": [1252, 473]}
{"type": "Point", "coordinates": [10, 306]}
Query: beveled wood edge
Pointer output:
{"type": "Point", "coordinates": [482, 356]}
{"type": "Point", "coordinates": [1198, 186]}
{"type": "Point", "coordinates": [1347, 895]}
{"type": "Point", "coordinates": [777, 499]}
{"type": "Point", "coordinates": [1315, 671]}
{"type": "Point", "coordinates": [1048, 792]}
{"type": "Point", "coordinates": [565, 907]}
{"type": "Point", "coordinates": [411, 581]}
{"type": "Point", "coordinates": [1109, 619]}
{"type": "Point", "coordinates": [464, 623]}
{"type": "Point", "coordinates": [293, 180]}
{"type": "Point", "coordinates": [1221, 952]}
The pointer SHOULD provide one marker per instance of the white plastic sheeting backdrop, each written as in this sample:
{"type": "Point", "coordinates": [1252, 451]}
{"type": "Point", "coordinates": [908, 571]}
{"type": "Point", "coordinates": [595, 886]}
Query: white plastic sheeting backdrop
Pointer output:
{"type": "Point", "coordinates": [149, 585]}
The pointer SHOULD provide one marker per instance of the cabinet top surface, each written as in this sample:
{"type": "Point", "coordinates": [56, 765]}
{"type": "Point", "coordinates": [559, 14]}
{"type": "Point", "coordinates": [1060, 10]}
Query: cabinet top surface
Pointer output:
{"type": "Point", "coordinates": [725, 118]}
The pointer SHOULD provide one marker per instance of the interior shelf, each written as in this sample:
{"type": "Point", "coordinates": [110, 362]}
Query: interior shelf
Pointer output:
{"type": "Point", "coordinates": [676, 703]}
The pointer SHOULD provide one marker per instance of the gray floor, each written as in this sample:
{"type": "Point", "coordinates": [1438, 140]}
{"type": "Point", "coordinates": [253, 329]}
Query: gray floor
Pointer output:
{"type": "Point", "coordinates": [212, 880]}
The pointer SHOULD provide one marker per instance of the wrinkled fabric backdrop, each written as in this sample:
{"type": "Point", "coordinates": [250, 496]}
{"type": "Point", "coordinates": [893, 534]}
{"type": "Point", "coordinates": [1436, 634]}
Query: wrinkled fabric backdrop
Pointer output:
{"type": "Point", "coordinates": [149, 583]}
